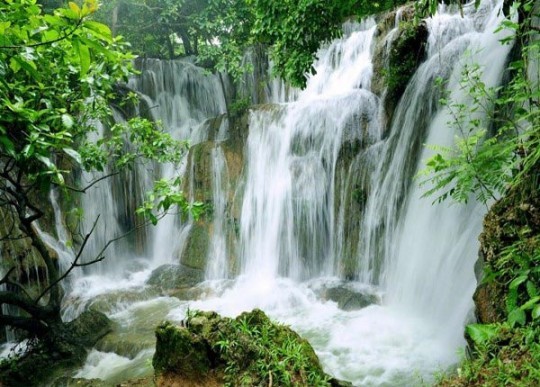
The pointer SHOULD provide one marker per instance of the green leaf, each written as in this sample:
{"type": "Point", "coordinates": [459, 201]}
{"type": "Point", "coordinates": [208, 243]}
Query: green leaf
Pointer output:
{"type": "Point", "coordinates": [530, 304]}
{"type": "Point", "coordinates": [84, 57]}
{"type": "Point", "coordinates": [28, 150]}
{"type": "Point", "coordinates": [99, 30]}
{"type": "Point", "coordinates": [73, 154]}
{"type": "Point", "coordinates": [4, 26]}
{"type": "Point", "coordinates": [153, 218]}
{"type": "Point", "coordinates": [517, 317]}
{"type": "Point", "coordinates": [536, 312]}
{"type": "Point", "coordinates": [7, 145]}
{"type": "Point", "coordinates": [481, 333]}
{"type": "Point", "coordinates": [532, 290]}
{"type": "Point", "coordinates": [45, 160]}
{"type": "Point", "coordinates": [67, 121]}
{"type": "Point", "coordinates": [518, 281]}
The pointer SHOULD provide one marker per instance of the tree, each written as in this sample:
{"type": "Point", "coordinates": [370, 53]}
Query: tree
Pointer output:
{"type": "Point", "coordinates": [58, 77]}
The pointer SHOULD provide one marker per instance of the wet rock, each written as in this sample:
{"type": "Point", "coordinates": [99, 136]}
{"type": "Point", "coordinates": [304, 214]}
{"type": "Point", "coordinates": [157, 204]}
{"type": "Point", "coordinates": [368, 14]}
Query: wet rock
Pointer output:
{"type": "Point", "coordinates": [514, 219]}
{"type": "Point", "coordinates": [199, 183]}
{"type": "Point", "coordinates": [250, 350]}
{"type": "Point", "coordinates": [134, 331]}
{"type": "Point", "coordinates": [397, 56]}
{"type": "Point", "coordinates": [89, 327]}
{"type": "Point", "coordinates": [349, 299]}
{"type": "Point", "coordinates": [195, 253]}
{"type": "Point", "coordinates": [169, 277]}
{"type": "Point", "coordinates": [109, 302]}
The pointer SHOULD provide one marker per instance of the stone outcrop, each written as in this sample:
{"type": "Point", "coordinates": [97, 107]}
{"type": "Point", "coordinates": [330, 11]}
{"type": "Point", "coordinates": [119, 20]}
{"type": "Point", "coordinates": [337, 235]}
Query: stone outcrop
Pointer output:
{"type": "Point", "coordinates": [397, 56]}
{"type": "Point", "coordinates": [514, 218]}
{"type": "Point", "coordinates": [210, 350]}
{"type": "Point", "coordinates": [349, 298]}
{"type": "Point", "coordinates": [198, 185]}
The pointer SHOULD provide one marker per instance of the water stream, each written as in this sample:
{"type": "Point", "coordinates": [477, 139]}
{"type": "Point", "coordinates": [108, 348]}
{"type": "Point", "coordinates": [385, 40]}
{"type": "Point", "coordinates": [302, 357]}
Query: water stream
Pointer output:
{"type": "Point", "coordinates": [293, 236]}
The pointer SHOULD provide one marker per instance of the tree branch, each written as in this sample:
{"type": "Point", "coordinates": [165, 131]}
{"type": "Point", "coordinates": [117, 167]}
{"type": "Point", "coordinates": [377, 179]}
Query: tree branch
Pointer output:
{"type": "Point", "coordinates": [24, 303]}
{"type": "Point", "coordinates": [5, 279]}
{"type": "Point", "coordinates": [25, 323]}
{"type": "Point", "coordinates": [83, 190]}
{"type": "Point", "coordinates": [65, 36]}
{"type": "Point", "coordinates": [73, 264]}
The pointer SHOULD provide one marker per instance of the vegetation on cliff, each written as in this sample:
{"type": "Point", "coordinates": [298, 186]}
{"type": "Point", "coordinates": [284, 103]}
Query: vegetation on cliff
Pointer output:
{"type": "Point", "coordinates": [497, 159]}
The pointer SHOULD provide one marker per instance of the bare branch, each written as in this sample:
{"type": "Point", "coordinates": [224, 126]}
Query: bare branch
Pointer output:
{"type": "Point", "coordinates": [73, 264]}
{"type": "Point", "coordinates": [94, 182]}
{"type": "Point", "coordinates": [5, 279]}
{"type": "Point", "coordinates": [26, 323]}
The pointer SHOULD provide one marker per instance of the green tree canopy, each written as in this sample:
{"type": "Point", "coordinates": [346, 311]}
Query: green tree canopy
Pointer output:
{"type": "Point", "coordinates": [58, 77]}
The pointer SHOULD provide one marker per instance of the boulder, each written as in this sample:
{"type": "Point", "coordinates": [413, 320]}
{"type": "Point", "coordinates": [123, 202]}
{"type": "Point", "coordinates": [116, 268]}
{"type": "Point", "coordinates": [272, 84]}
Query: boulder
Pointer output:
{"type": "Point", "coordinates": [397, 56]}
{"type": "Point", "coordinates": [210, 350]}
{"type": "Point", "coordinates": [349, 298]}
{"type": "Point", "coordinates": [170, 277]}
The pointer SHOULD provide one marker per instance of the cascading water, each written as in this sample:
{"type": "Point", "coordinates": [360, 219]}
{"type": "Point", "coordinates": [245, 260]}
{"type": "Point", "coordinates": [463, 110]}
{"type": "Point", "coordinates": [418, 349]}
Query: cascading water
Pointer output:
{"type": "Point", "coordinates": [303, 161]}
{"type": "Point", "coordinates": [218, 267]}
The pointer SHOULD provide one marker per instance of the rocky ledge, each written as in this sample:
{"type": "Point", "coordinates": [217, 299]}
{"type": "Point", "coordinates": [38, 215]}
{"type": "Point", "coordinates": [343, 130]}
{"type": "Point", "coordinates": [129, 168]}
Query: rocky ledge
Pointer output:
{"type": "Point", "coordinates": [250, 350]}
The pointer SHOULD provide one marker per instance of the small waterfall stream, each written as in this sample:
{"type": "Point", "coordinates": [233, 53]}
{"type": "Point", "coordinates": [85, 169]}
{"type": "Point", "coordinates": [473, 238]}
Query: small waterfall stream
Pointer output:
{"type": "Point", "coordinates": [305, 161]}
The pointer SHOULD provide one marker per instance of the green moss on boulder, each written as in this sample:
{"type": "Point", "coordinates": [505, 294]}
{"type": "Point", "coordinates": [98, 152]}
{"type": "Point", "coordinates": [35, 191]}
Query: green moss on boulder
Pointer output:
{"type": "Point", "coordinates": [249, 350]}
{"type": "Point", "coordinates": [394, 68]}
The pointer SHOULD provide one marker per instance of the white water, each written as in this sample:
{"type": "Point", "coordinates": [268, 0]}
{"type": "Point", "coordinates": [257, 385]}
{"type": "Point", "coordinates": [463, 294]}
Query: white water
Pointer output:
{"type": "Point", "coordinates": [417, 256]}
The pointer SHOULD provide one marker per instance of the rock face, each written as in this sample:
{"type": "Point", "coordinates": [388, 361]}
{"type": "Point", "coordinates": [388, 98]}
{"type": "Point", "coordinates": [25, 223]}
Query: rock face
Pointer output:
{"type": "Point", "coordinates": [397, 56]}
{"type": "Point", "coordinates": [513, 219]}
{"type": "Point", "coordinates": [210, 350]}
{"type": "Point", "coordinates": [199, 185]}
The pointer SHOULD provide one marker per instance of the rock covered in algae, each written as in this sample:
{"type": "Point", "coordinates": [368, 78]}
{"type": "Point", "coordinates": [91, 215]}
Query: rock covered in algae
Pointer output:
{"type": "Point", "coordinates": [250, 350]}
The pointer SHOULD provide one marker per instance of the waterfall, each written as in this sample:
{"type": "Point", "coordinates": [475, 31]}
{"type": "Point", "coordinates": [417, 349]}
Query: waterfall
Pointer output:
{"type": "Point", "coordinates": [431, 268]}
{"type": "Point", "coordinates": [288, 210]}
{"type": "Point", "coordinates": [217, 255]}
{"type": "Point", "coordinates": [328, 199]}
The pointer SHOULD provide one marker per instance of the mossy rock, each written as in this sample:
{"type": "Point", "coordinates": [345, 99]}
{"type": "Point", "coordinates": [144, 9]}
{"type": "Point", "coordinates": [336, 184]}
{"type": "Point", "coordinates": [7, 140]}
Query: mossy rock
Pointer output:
{"type": "Point", "coordinates": [394, 68]}
{"type": "Point", "coordinates": [170, 277]}
{"type": "Point", "coordinates": [349, 299]}
{"type": "Point", "coordinates": [249, 350]}
{"type": "Point", "coordinates": [195, 253]}
{"type": "Point", "coordinates": [515, 218]}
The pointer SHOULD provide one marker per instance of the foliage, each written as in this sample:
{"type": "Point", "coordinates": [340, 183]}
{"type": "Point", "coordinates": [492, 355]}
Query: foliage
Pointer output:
{"type": "Point", "coordinates": [250, 350]}
{"type": "Point", "coordinates": [58, 79]}
{"type": "Point", "coordinates": [497, 132]}
{"type": "Point", "coordinates": [219, 31]}
{"type": "Point", "coordinates": [508, 357]}
{"type": "Point", "coordinates": [165, 195]}
{"type": "Point", "coordinates": [496, 152]}
{"type": "Point", "coordinates": [296, 30]}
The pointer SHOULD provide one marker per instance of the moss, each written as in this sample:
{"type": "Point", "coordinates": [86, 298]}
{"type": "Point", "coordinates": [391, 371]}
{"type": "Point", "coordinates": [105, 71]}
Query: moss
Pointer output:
{"type": "Point", "coordinates": [509, 249]}
{"type": "Point", "coordinates": [406, 54]}
{"type": "Point", "coordinates": [394, 68]}
{"type": "Point", "coordinates": [510, 358]}
{"type": "Point", "coordinates": [512, 222]}
{"type": "Point", "coordinates": [180, 351]}
{"type": "Point", "coordinates": [250, 350]}
{"type": "Point", "coordinates": [196, 250]}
